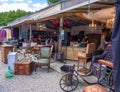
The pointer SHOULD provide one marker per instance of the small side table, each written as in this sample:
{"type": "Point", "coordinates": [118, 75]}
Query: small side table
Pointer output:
{"type": "Point", "coordinates": [23, 67]}
{"type": "Point", "coordinates": [84, 69]}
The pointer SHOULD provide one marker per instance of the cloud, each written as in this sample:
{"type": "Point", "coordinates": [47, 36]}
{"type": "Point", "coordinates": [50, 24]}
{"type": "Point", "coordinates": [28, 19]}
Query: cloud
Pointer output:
{"type": "Point", "coordinates": [18, 0]}
{"type": "Point", "coordinates": [22, 6]}
{"type": "Point", "coordinates": [3, 1]}
{"type": "Point", "coordinates": [39, 6]}
{"type": "Point", "coordinates": [29, 1]}
{"type": "Point", "coordinates": [14, 6]}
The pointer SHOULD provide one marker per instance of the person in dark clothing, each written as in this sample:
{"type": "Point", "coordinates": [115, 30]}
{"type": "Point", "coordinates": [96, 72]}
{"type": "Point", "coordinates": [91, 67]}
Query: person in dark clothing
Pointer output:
{"type": "Point", "coordinates": [80, 36]}
{"type": "Point", "coordinates": [116, 46]}
{"type": "Point", "coordinates": [20, 42]}
{"type": "Point", "coordinates": [85, 40]}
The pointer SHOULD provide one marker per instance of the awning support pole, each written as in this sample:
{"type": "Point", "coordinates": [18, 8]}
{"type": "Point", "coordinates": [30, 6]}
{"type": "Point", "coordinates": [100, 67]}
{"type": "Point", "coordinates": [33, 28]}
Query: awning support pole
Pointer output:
{"type": "Point", "coordinates": [19, 32]}
{"type": "Point", "coordinates": [60, 40]}
{"type": "Point", "coordinates": [30, 32]}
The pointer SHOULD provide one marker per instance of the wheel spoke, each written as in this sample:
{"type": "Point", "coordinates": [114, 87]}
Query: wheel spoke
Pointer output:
{"type": "Point", "coordinates": [74, 77]}
{"type": "Point", "coordinates": [62, 83]}
{"type": "Point", "coordinates": [64, 86]}
{"type": "Point", "coordinates": [72, 87]}
{"type": "Point", "coordinates": [67, 88]}
{"type": "Point", "coordinates": [63, 79]}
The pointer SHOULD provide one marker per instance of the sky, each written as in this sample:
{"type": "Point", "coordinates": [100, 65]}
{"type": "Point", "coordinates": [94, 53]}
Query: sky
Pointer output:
{"type": "Point", "coordinates": [26, 5]}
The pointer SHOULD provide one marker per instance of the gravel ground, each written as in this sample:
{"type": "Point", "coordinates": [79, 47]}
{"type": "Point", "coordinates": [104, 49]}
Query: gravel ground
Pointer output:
{"type": "Point", "coordinates": [39, 81]}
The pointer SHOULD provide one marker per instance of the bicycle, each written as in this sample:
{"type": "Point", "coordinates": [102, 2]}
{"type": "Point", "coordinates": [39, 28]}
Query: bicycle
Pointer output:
{"type": "Point", "coordinates": [69, 82]}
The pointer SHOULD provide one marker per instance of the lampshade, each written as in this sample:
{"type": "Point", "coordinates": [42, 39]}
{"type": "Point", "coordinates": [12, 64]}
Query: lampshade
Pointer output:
{"type": "Point", "coordinates": [92, 25]}
{"type": "Point", "coordinates": [41, 26]}
{"type": "Point", "coordinates": [110, 23]}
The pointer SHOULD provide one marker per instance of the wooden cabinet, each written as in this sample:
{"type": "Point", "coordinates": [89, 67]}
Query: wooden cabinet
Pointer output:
{"type": "Point", "coordinates": [72, 52]}
{"type": "Point", "coordinates": [76, 51]}
{"type": "Point", "coordinates": [4, 53]}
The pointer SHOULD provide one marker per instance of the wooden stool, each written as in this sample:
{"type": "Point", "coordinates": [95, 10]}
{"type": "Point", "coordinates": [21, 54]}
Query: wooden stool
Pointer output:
{"type": "Point", "coordinates": [95, 88]}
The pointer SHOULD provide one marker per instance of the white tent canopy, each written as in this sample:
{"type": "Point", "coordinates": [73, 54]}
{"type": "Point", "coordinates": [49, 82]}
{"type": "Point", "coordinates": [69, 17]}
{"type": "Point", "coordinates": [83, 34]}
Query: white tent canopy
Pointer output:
{"type": "Point", "coordinates": [102, 15]}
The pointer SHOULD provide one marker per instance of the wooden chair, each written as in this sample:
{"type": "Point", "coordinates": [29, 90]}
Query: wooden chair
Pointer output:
{"type": "Point", "coordinates": [85, 56]}
{"type": "Point", "coordinates": [44, 59]}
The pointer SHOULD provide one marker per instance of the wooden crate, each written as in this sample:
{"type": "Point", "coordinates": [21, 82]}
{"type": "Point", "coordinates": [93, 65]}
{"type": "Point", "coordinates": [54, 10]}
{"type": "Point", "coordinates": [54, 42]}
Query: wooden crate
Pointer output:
{"type": "Point", "coordinates": [23, 67]}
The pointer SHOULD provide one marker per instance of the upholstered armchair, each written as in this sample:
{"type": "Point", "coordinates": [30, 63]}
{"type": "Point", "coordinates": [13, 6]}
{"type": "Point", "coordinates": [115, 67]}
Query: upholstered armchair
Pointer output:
{"type": "Point", "coordinates": [44, 59]}
{"type": "Point", "coordinates": [86, 55]}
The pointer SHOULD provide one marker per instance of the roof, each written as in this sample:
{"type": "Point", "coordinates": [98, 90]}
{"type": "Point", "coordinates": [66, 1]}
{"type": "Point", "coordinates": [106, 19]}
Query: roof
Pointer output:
{"type": "Point", "coordinates": [64, 8]}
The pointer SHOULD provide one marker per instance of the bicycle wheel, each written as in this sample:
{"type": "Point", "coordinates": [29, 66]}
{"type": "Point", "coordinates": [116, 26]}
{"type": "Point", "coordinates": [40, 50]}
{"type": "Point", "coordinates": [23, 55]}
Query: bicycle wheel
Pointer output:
{"type": "Point", "coordinates": [69, 82]}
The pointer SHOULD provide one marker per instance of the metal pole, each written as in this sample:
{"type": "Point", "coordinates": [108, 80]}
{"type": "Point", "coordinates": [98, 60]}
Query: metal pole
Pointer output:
{"type": "Point", "coordinates": [30, 32]}
{"type": "Point", "coordinates": [19, 32]}
{"type": "Point", "coordinates": [60, 40]}
{"type": "Point", "coordinates": [22, 31]}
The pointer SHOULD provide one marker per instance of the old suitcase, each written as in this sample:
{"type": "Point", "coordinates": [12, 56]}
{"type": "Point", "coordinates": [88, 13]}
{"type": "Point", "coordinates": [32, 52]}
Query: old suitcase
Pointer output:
{"type": "Point", "coordinates": [23, 67]}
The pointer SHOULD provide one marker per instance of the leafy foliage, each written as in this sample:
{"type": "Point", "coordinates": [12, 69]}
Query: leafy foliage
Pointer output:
{"type": "Point", "coordinates": [6, 17]}
{"type": "Point", "coordinates": [53, 1]}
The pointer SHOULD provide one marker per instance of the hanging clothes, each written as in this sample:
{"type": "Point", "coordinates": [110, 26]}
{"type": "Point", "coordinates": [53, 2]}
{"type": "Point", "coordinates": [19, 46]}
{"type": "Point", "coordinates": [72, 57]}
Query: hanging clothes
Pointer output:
{"type": "Point", "coordinates": [12, 32]}
{"type": "Point", "coordinates": [116, 47]}
{"type": "Point", "coordinates": [3, 33]}
{"type": "Point", "coordinates": [8, 36]}
{"type": "Point", "coordinates": [0, 36]}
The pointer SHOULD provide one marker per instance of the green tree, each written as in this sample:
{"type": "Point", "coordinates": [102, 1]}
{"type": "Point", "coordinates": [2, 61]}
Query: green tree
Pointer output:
{"type": "Point", "coordinates": [6, 17]}
{"type": "Point", "coordinates": [53, 1]}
